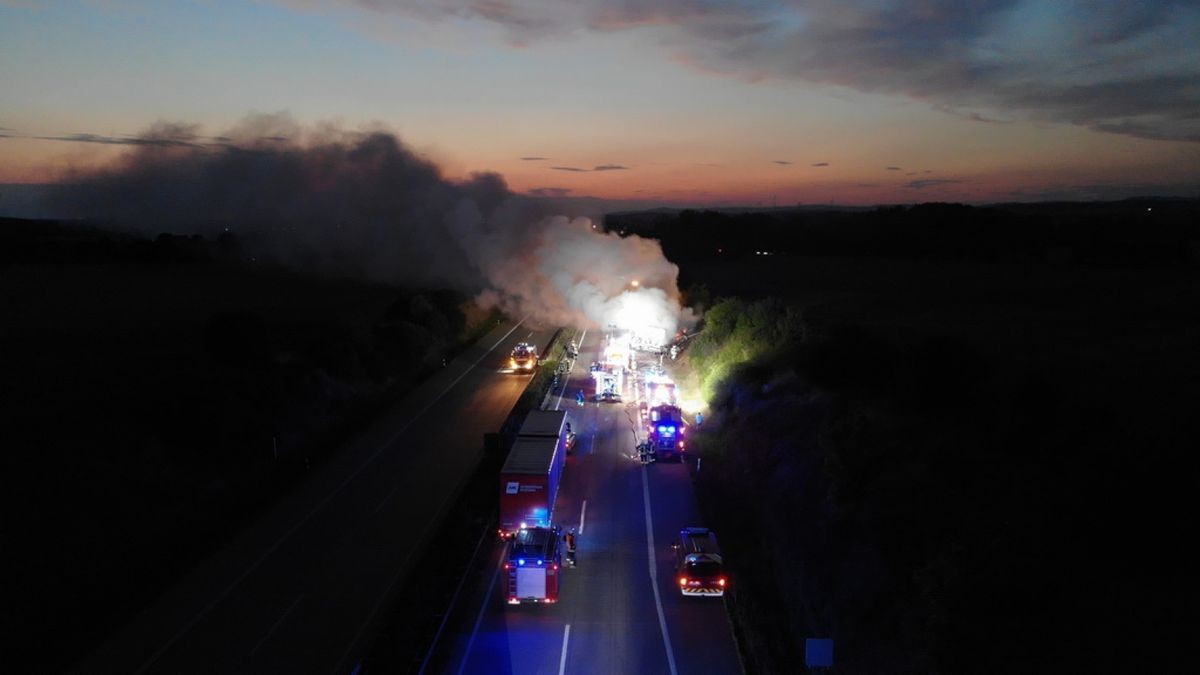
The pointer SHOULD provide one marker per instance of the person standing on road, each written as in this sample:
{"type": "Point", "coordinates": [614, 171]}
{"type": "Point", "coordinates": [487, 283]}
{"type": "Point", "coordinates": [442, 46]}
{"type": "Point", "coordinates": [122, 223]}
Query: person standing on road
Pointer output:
{"type": "Point", "coordinates": [570, 539]}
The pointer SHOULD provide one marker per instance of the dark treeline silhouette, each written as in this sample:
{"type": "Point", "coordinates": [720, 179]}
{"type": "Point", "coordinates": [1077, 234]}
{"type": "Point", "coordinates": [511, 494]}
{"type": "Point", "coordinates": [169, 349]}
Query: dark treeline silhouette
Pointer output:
{"type": "Point", "coordinates": [936, 508]}
{"type": "Point", "coordinates": [967, 456]}
{"type": "Point", "coordinates": [1136, 231]}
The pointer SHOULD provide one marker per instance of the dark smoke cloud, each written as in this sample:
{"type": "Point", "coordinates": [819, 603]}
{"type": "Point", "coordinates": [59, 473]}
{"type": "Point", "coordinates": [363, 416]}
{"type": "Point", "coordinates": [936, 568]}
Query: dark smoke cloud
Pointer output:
{"type": "Point", "coordinates": [362, 204]}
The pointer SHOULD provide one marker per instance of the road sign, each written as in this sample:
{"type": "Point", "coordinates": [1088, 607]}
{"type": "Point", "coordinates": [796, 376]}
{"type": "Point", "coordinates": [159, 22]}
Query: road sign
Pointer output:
{"type": "Point", "coordinates": [818, 653]}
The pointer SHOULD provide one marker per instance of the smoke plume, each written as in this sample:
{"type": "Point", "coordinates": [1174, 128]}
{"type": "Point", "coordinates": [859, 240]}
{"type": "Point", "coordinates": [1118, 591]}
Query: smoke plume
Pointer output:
{"type": "Point", "coordinates": [362, 204]}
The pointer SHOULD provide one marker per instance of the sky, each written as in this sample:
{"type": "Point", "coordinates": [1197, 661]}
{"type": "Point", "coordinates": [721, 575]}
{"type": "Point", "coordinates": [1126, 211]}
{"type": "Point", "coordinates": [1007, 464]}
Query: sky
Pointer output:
{"type": "Point", "coordinates": [679, 102]}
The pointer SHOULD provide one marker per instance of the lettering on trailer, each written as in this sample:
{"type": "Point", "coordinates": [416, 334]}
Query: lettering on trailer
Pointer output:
{"type": "Point", "coordinates": [512, 487]}
{"type": "Point", "coordinates": [531, 488]}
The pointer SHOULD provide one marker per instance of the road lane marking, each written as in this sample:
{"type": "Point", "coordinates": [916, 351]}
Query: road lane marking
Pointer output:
{"type": "Point", "coordinates": [582, 514]}
{"type": "Point", "coordinates": [662, 619]}
{"type": "Point", "coordinates": [562, 660]}
{"type": "Point", "coordinates": [312, 512]}
{"type": "Point", "coordinates": [275, 625]}
{"type": "Point", "coordinates": [479, 619]}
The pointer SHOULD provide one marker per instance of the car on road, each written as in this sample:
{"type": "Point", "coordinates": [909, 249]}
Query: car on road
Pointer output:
{"type": "Point", "coordinates": [698, 566]}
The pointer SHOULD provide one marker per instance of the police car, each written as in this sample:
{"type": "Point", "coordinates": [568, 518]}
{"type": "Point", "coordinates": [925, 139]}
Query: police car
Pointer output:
{"type": "Point", "coordinates": [698, 567]}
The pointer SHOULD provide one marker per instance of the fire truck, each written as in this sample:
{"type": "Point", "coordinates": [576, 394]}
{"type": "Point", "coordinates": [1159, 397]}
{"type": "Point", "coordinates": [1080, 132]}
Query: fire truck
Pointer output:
{"type": "Point", "coordinates": [665, 431]}
{"type": "Point", "coordinates": [533, 565]}
{"type": "Point", "coordinates": [524, 358]}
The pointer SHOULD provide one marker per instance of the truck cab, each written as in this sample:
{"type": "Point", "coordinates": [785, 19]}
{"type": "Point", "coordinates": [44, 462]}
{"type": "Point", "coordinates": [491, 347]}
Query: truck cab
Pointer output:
{"type": "Point", "coordinates": [533, 565]}
{"type": "Point", "coordinates": [698, 567]}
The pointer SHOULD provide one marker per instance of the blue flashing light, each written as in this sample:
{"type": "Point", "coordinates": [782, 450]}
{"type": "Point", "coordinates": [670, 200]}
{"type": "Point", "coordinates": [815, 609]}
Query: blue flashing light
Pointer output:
{"type": "Point", "coordinates": [539, 563]}
{"type": "Point", "coordinates": [521, 561]}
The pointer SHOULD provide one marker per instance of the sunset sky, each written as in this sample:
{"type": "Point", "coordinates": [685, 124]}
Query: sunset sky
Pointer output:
{"type": "Point", "coordinates": [679, 101]}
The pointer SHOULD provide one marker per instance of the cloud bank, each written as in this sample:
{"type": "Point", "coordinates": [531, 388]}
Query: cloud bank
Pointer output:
{"type": "Point", "coordinates": [362, 204]}
{"type": "Point", "coordinates": [1109, 65]}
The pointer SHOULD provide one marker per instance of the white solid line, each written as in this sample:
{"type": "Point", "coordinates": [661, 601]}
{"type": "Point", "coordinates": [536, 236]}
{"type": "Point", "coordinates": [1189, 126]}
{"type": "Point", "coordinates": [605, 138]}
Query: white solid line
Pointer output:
{"type": "Point", "coordinates": [582, 513]}
{"type": "Point", "coordinates": [562, 660]}
{"type": "Point", "coordinates": [662, 619]}
{"type": "Point", "coordinates": [275, 625]}
{"type": "Point", "coordinates": [312, 512]}
{"type": "Point", "coordinates": [479, 619]}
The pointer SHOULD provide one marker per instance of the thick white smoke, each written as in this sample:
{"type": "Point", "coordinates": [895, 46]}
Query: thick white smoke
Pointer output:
{"type": "Point", "coordinates": [566, 272]}
{"type": "Point", "coordinates": [362, 204]}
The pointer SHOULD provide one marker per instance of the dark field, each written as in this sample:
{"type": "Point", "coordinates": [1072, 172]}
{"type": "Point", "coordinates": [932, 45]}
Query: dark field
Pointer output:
{"type": "Point", "coordinates": [158, 392]}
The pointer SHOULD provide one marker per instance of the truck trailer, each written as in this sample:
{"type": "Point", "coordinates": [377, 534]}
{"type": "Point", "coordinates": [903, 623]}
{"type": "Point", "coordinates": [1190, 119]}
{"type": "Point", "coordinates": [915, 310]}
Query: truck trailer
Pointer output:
{"type": "Point", "coordinates": [530, 476]}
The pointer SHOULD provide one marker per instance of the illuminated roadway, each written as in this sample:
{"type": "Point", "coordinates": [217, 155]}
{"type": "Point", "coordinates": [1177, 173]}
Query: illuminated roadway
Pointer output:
{"type": "Point", "coordinates": [609, 617]}
{"type": "Point", "coordinates": [299, 590]}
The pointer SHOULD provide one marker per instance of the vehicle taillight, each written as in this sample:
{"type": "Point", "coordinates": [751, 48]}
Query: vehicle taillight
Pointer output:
{"type": "Point", "coordinates": [681, 444]}
{"type": "Point", "coordinates": [683, 581]}
{"type": "Point", "coordinates": [721, 582]}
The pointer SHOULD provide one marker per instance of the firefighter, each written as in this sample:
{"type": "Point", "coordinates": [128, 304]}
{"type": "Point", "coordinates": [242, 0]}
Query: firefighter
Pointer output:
{"type": "Point", "coordinates": [579, 397]}
{"type": "Point", "coordinates": [570, 539]}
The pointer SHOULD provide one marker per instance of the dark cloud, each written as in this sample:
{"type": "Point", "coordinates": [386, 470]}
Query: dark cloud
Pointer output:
{"type": "Point", "coordinates": [363, 204]}
{"type": "Point", "coordinates": [534, 159]}
{"type": "Point", "coordinates": [550, 192]}
{"type": "Point", "coordinates": [599, 167]}
{"type": "Point", "coordinates": [821, 164]}
{"type": "Point", "coordinates": [1111, 65]}
{"type": "Point", "coordinates": [891, 168]}
{"type": "Point", "coordinates": [929, 182]}
{"type": "Point", "coordinates": [783, 162]}
{"type": "Point", "coordinates": [122, 140]}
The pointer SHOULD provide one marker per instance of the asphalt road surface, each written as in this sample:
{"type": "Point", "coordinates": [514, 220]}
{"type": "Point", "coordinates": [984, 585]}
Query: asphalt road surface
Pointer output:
{"type": "Point", "coordinates": [618, 610]}
{"type": "Point", "coordinates": [299, 590]}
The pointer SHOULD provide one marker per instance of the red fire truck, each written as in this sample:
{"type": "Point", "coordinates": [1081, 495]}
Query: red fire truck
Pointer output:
{"type": "Point", "coordinates": [533, 565]}
{"type": "Point", "coordinates": [665, 430]}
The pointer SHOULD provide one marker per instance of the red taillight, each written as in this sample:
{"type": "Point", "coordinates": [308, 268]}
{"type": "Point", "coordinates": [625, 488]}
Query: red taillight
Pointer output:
{"type": "Point", "coordinates": [508, 566]}
{"type": "Point", "coordinates": [683, 581]}
{"type": "Point", "coordinates": [554, 567]}
{"type": "Point", "coordinates": [721, 582]}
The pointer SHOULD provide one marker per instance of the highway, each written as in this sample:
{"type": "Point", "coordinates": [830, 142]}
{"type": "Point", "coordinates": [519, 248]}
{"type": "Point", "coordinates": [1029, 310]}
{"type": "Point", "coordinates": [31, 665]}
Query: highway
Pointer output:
{"type": "Point", "coordinates": [300, 589]}
{"type": "Point", "coordinates": [618, 610]}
